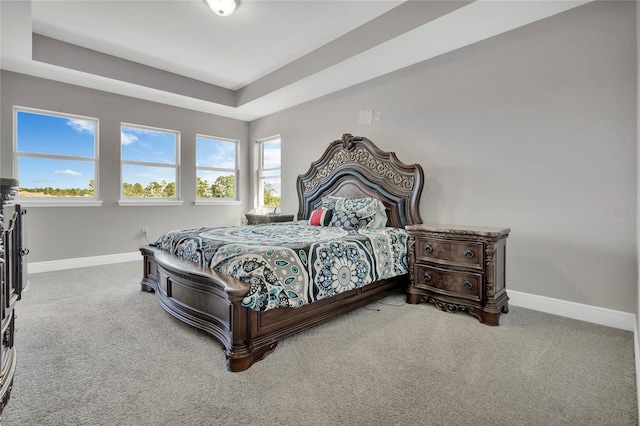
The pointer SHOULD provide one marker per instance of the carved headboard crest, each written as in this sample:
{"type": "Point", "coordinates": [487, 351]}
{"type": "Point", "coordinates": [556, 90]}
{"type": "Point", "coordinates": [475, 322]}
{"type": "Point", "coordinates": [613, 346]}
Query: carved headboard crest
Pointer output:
{"type": "Point", "coordinates": [355, 167]}
{"type": "Point", "coordinates": [348, 140]}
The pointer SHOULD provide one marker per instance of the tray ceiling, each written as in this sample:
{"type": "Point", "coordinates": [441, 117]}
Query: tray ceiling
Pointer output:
{"type": "Point", "coordinates": [265, 57]}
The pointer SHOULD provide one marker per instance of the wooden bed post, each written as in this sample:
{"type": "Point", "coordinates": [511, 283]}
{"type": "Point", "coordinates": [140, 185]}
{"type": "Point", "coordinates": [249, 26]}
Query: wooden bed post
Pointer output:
{"type": "Point", "coordinates": [240, 353]}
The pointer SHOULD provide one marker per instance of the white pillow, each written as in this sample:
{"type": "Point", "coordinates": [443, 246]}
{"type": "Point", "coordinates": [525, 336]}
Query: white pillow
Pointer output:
{"type": "Point", "coordinates": [380, 219]}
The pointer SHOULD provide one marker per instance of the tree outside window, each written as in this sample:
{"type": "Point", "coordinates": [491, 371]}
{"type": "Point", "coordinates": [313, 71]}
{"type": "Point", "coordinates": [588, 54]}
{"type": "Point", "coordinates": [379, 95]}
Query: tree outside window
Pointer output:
{"type": "Point", "coordinates": [269, 181]}
{"type": "Point", "coordinates": [216, 168]}
{"type": "Point", "coordinates": [149, 162]}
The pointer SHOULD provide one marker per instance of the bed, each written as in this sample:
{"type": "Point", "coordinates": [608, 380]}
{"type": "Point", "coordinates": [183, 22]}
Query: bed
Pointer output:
{"type": "Point", "coordinates": [222, 302]}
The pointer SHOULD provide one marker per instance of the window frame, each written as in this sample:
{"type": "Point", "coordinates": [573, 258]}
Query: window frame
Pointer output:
{"type": "Point", "coordinates": [235, 200]}
{"type": "Point", "coordinates": [150, 201]}
{"type": "Point", "coordinates": [55, 201]}
{"type": "Point", "coordinates": [261, 169]}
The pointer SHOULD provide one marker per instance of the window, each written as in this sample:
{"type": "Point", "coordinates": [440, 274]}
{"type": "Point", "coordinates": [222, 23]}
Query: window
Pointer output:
{"type": "Point", "coordinates": [56, 157]}
{"type": "Point", "coordinates": [216, 168]}
{"type": "Point", "coordinates": [149, 163]}
{"type": "Point", "coordinates": [269, 183]}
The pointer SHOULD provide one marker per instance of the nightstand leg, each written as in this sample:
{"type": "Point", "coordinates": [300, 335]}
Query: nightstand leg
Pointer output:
{"type": "Point", "coordinates": [491, 318]}
{"type": "Point", "coordinates": [414, 298]}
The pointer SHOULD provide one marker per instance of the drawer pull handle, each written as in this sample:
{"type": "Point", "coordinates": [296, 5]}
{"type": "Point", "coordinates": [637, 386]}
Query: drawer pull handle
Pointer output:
{"type": "Point", "coordinates": [467, 285]}
{"type": "Point", "coordinates": [428, 248]}
{"type": "Point", "coordinates": [426, 277]}
{"type": "Point", "coordinates": [469, 254]}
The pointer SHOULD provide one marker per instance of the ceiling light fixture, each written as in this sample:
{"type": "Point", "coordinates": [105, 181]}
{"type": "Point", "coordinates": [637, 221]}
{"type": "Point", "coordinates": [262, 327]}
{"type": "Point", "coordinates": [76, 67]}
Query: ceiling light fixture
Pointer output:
{"type": "Point", "coordinates": [222, 7]}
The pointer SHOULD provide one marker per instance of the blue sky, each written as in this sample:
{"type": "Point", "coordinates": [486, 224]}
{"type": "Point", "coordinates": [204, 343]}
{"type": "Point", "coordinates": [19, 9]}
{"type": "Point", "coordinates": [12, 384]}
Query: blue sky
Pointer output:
{"type": "Point", "coordinates": [58, 136]}
{"type": "Point", "coordinates": [54, 135]}
{"type": "Point", "coordinates": [271, 154]}
{"type": "Point", "coordinates": [75, 137]}
{"type": "Point", "coordinates": [211, 152]}
{"type": "Point", "coordinates": [215, 153]}
{"type": "Point", "coordinates": [271, 160]}
{"type": "Point", "coordinates": [149, 146]}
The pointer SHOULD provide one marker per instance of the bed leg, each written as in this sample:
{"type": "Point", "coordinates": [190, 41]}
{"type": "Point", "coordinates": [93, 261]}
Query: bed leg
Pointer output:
{"type": "Point", "coordinates": [146, 287]}
{"type": "Point", "coordinates": [240, 360]}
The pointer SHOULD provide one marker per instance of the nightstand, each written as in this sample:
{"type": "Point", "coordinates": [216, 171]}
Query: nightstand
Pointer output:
{"type": "Point", "coordinates": [459, 268]}
{"type": "Point", "coordinates": [256, 219]}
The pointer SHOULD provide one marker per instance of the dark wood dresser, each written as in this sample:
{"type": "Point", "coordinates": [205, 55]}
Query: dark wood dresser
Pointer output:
{"type": "Point", "coordinates": [256, 219]}
{"type": "Point", "coordinates": [459, 269]}
{"type": "Point", "coordinates": [12, 276]}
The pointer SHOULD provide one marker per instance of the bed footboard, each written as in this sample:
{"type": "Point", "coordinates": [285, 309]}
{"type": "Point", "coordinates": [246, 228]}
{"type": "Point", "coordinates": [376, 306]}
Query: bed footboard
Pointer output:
{"type": "Point", "coordinates": [212, 302]}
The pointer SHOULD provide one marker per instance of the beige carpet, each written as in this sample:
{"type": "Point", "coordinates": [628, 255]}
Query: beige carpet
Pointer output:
{"type": "Point", "coordinates": [95, 350]}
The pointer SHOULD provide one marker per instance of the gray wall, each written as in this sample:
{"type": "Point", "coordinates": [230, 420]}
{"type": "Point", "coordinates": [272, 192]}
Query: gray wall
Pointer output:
{"type": "Point", "coordinates": [55, 233]}
{"type": "Point", "coordinates": [638, 175]}
{"type": "Point", "coordinates": [533, 130]}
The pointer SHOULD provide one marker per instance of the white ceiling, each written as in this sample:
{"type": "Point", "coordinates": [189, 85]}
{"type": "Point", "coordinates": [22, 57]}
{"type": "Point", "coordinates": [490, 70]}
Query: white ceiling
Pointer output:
{"type": "Point", "coordinates": [186, 38]}
{"type": "Point", "coordinates": [269, 55]}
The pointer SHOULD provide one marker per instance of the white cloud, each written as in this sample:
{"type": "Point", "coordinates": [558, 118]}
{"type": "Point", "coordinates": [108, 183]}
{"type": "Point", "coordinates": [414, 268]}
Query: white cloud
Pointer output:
{"type": "Point", "coordinates": [228, 164]}
{"type": "Point", "coordinates": [68, 172]}
{"type": "Point", "coordinates": [271, 158]}
{"type": "Point", "coordinates": [127, 138]}
{"type": "Point", "coordinates": [82, 125]}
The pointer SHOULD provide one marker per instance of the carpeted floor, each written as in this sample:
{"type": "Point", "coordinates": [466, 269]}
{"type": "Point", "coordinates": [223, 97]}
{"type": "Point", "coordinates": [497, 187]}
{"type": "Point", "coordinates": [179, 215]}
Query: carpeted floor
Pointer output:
{"type": "Point", "coordinates": [95, 350]}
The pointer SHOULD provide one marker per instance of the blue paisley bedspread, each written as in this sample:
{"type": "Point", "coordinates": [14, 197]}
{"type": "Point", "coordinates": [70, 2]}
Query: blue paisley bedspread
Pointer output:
{"type": "Point", "coordinates": [292, 264]}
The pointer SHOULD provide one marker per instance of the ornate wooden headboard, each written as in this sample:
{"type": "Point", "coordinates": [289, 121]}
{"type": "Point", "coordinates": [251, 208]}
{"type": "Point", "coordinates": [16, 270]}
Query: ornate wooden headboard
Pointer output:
{"type": "Point", "coordinates": [354, 167]}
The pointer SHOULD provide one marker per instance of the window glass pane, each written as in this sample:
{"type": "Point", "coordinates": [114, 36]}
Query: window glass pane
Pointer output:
{"type": "Point", "coordinates": [215, 184]}
{"type": "Point", "coordinates": [270, 173]}
{"type": "Point", "coordinates": [215, 153]}
{"type": "Point", "coordinates": [40, 177]}
{"type": "Point", "coordinates": [47, 134]}
{"type": "Point", "coordinates": [147, 145]}
{"type": "Point", "coordinates": [271, 154]}
{"type": "Point", "coordinates": [270, 191]}
{"type": "Point", "coordinates": [148, 181]}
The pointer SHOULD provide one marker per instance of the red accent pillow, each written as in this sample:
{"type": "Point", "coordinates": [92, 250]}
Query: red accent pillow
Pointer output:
{"type": "Point", "coordinates": [320, 217]}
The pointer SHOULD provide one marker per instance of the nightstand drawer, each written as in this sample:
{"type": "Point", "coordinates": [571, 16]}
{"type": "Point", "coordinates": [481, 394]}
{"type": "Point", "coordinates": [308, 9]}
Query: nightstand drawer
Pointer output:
{"type": "Point", "coordinates": [467, 285]}
{"type": "Point", "coordinates": [457, 253]}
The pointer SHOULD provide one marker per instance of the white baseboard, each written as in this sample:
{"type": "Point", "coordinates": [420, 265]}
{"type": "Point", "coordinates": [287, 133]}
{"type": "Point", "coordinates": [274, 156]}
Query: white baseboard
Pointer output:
{"type": "Point", "coordinates": [81, 262]}
{"type": "Point", "coordinates": [636, 346]}
{"type": "Point", "coordinates": [579, 311]}
{"type": "Point", "coordinates": [594, 314]}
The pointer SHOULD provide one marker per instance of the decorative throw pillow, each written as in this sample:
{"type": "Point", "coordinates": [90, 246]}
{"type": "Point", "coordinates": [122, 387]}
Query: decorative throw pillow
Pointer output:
{"type": "Point", "coordinates": [370, 212]}
{"type": "Point", "coordinates": [321, 217]}
{"type": "Point", "coordinates": [364, 205]}
{"type": "Point", "coordinates": [329, 201]}
{"type": "Point", "coordinates": [349, 220]}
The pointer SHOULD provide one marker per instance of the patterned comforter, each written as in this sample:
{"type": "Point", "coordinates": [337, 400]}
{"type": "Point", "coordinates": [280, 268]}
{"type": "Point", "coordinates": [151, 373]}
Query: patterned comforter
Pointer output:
{"type": "Point", "coordinates": [292, 264]}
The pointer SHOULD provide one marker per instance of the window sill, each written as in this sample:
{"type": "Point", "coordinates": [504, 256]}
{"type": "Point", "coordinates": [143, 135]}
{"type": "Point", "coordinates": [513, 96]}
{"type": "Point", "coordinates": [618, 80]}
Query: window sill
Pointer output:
{"type": "Point", "coordinates": [149, 203]}
{"type": "Point", "coordinates": [214, 202]}
{"type": "Point", "coordinates": [30, 202]}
